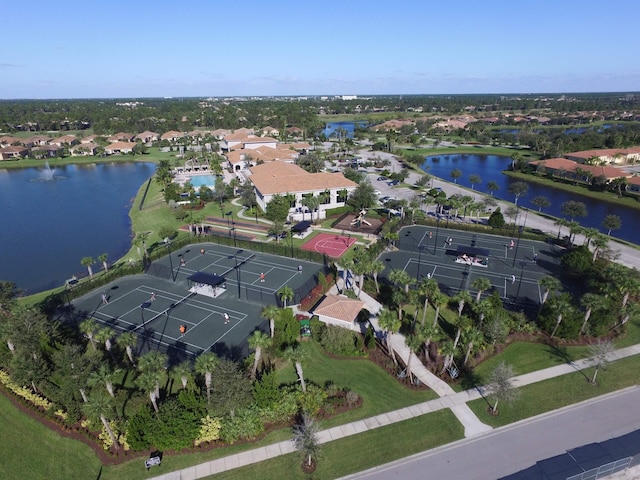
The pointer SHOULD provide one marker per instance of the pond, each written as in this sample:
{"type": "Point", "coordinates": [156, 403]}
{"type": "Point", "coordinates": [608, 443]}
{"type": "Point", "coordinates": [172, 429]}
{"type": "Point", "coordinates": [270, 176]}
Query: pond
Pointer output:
{"type": "Point", "coordinates": [490, 167]}
{"type": "Point", "coordinates": [333, 129]}
{"type": "Point", "coordinates": [51, 219]}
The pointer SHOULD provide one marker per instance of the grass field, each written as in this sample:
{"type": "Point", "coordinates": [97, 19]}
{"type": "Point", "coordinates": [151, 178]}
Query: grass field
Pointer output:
{"type": "Point", "coordinates": [32, 451]}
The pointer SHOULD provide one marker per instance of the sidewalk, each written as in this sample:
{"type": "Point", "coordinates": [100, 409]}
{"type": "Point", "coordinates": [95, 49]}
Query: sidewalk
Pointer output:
{"type": "Point", "coordinates": [454, 401]}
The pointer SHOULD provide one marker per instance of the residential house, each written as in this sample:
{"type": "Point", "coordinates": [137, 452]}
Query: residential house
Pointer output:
{"type": "Point", "coordinates": [633, 185]}
{"type": "Point", "coordinates": [13, 152]}
{"type": "Point", "coordinates": [7, 140]}
{"type": "Point", "coordinates": [571, 170]}
{"type": "Point", "coordinates": [84, 150]}
{"type": "Point", "coordinates": [46, 151]}
{"type": "Point", "coordinates": [89, 139]}
{"type": "Point", "coordinates": [119, 148]}
{"type": "Point", "coordinates": [147, 137]}
{"type": "Point", "coordinates": [618, 156]}
{"type": "Point", "coordinates": [270, 132]}
{"type": "Point", "coordinates": [39, 140]}
{"type": "Point", "coordinates": [287, 179]}
{"type": "Point", "coordinates": [121, 137]}
{"type": "Point", "coordinates": [172, 136]}
{"type": "Point", "coordinates": [64, 141]}
{"type": "Point", "coordinates": [339, 310]}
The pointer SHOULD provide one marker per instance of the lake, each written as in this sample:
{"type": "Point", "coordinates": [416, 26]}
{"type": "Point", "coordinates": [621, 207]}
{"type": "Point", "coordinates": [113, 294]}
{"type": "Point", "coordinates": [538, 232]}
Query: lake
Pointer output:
{"type": "Point", "coordinates": [49, 226]}
{"type": "Point", "coordinates": [331, 128]}
{"type": "Point", "coordinates": [489, 168]}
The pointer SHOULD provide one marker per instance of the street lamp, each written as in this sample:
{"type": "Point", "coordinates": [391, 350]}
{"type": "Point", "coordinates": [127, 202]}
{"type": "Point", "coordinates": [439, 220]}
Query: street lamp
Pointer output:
{"type": "Point", "coordinates": [435, 244]}
{"type": "Point", "coordinates": [235, 257]}
{"type": "Point", "coordinates": [167, 243]}
{"type": "Point", "coordinates": [520, 230]}
{"type": "Point", "coordinates": [420, 248]}
{"type": "Point", "coordinates": [228, 215]}
{"type": "Point", "coordinates": [233, 229]}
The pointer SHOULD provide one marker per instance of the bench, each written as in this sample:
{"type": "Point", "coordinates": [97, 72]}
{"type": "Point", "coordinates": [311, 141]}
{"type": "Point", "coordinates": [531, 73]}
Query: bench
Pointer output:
{"type": "Point", "coordinates": [150, 462]}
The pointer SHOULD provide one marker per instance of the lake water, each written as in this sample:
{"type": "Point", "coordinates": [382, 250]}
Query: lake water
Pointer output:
{"type": "Point", "coordinates": [331, 128]}
{"type": "Point", "coordinates": [49, 226]}
{"type": "Point", "coordinates": [489, 168]}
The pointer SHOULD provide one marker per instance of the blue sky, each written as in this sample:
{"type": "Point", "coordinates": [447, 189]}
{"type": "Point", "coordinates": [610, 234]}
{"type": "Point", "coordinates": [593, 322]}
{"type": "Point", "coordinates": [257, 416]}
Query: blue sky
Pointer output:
{"type": "Point", "coordinates": [143, 48]}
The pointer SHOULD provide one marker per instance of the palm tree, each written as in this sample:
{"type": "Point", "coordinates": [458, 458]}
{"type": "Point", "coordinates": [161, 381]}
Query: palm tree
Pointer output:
{"type": "Point", "coordinates": [414, 342]}
{"type": "Point", "coordinates": [375, 267]}
{"type": "Point", "coordinates": [104, 376]}
{"type": "Point", "coordinates": [297, 353]}
{"type": "Point", "coordinates": [183, 372]}
{"type": "Point", "coordinates": [561, 305]}
{"type": "Point", "coordinates": [286, 295]}
{"type": "Point", "coordinates": [103, 259]}
{"type": "Point", "coordinates": [205, 364]}
{"type": "Point", "coordinates": [483, 308]}
{"type": "Point", "coordinates": [481, 284]}
{"type": "Point", "coordinates": [473, 338]}
{"type": "Point", "coordinates": [462, 322]}
{"type": "Point", "coordinates": [87, 262]}
{"type": "Point", "coordinates": [400, 277]}
{"type": "Point", "coordinates": [399, 298]}
{"type": "Point", "coordinates": [154, 363]}
{"type": "Point", "coordinates": [427, 287]}
{"type": "Point", "coordinates": [430, 333]}
{"type": "Point", "coordinates": [599, 354]}
{"type": "Point", "coordinates": [492, 187]}
{"type": "Point", "coordinates": [270, 312]}
{"type": "Point", "coordinates": [541, 202]}
{"type": "Point", "coordinates": [455, 174]}
{"type": "Point", "coordinates": [447, 349]}
{"type": "Point", "coordinates": [305, 438]}
{"type": "Point", "coordinates": [611, 222]}
{"type": "Point", "coordinates": [518, 189]}
{"type": "Point", "coordinates": [258, 341]}
{"type": "Point", "coordinates": [590, 302]}
{"type": "Point", "coordinates": [462, 298]}
{"type": "Point", "coordinates": [474, 180]}
{"type": "Point", "coordinates": [128, 340]}
{"type": "Point", "coordinates": [148, 382]}
{"type": "Point", "coordinates": [141, 240]}
{"type": "Point", "coordinates": [88, 328]}
{"type": "Point", "coordinates": [104, 335]}
{"type": "Point", "coordinates": [550, 284]}
{"type": "Point", "coordinates": [97, 408]}
{"type": "Point", "coordinates": [390, 323]}
{"type": "Point", "coordinates": [437, 300]}
{"type": "Point", "coordinates": [312, 203]}
{"type": "Point", "coordinates": [600, 242]}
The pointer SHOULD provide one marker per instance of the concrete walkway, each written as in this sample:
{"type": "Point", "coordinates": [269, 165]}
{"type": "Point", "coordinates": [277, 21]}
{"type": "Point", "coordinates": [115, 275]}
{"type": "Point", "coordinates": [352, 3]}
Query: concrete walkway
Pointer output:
{"type": "Point", "coordinates": [453, 401]}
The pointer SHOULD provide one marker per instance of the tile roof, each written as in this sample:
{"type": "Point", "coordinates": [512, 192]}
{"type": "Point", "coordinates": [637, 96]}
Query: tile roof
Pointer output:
{"type": "Point", "coordinates": [339, 308]}
{"type": "Point", "coordinates": [281, 177]}
{"type": "Point", "coordinates": [608, 171]}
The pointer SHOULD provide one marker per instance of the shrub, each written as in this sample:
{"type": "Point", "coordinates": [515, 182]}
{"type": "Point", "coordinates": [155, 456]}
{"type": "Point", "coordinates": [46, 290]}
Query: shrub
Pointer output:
{"type": "Point", "coordinates": [175, 427]}
{"type": "Point", "coordinates": [246, 424]}
{"type": "Point", "coordinates": [137, 427]}
{"type": "Point", "coordinates": [209, 430]}
{"type": "Point", "coordinates": [265, 390]}
{"type": "Point", "coordinates": [338, 340]}
{"type": "Point", "coordinates": [312, 400]}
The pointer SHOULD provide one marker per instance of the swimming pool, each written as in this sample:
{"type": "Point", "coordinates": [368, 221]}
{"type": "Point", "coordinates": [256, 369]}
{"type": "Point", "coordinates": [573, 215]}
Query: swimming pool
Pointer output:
{"type": "Point", "coordinates": [199, 180]}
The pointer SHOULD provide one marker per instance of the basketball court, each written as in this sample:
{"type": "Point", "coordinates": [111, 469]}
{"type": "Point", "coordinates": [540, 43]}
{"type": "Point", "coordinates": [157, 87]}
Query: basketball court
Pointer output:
{"type": "Point", "coordinates": [331, 245]}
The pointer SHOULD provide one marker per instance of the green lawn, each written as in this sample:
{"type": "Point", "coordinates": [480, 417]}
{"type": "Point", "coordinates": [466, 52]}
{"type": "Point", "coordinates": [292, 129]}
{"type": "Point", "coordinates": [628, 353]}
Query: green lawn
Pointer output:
{"type": "Point", "coordinates": [360, 452]}
{"type": "Point", "coordinates": [561, 391]}
{"type": "Point", "coordinates": [30, 450]}
{"type": "Point", "coordinates": [380, 392]}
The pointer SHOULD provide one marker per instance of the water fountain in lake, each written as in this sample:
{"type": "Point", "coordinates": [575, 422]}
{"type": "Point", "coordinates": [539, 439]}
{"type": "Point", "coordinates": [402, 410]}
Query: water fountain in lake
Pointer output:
{"type": "Point", "coordinates": [48, 174]}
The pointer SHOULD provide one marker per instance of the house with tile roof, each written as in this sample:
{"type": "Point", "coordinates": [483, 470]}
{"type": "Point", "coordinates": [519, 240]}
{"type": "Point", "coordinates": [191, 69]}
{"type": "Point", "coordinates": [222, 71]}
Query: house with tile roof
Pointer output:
{"type": "Point", "coordinates": [340, 311]}
{"type": "Point", "coordinates": [46, 151]}
{"type": "Point", "coordinates": [84, 149]}
{"type": "Point", "coordinates": [571, 170]}
{"type": "Point", "coordinates": [7, 140]}
{"type": "Point", "coordinates": [633, 185]}
{"type": "Point", "coordinates": [39, 140]}
{"type": "Point", "coordinates": [119, 148]}
{"type": "Point", "coordinates": [13, 152]}
{"type": "Point", "coordinates": [287, 179]}
{"type": "Point", "coordinates": [172, 136]}
{"type": "Point", "coordinates": [608, 156]}
{"type": "Point", "coordinates": [146, 137]}
{"type": "Point", "coordinates": [121, 137]}
{"type": "Point", "coordinates": [64, 141]}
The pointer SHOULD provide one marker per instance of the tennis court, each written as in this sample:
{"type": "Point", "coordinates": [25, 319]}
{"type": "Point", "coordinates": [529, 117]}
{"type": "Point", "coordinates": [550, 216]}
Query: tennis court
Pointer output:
{"type": "Point", "coordinates": [156, 304]}
{"type": "Point", "coordinates": [513, 266]}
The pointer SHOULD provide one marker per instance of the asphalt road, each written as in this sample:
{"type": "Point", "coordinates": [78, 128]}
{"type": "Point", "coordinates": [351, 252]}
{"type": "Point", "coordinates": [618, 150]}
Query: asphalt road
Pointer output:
{"type": "Point", "coordinates": [511, 449]}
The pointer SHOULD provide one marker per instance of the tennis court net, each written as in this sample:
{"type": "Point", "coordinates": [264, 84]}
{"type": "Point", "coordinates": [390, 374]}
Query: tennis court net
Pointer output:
{"type": "Point", "coordinates": [166, 310]}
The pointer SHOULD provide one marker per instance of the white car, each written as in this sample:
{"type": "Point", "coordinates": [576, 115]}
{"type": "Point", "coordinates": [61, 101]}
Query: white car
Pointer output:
{"type": "Point", "coordinates": [378, 192]}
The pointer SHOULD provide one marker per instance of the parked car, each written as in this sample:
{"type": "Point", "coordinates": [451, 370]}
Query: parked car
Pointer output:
{"type": "Point", "coordinates": [378, 192]}
{"type": "Point", "coordinates": [382, 179]}
{"type": "Point", "coordinates": [393, 183]}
